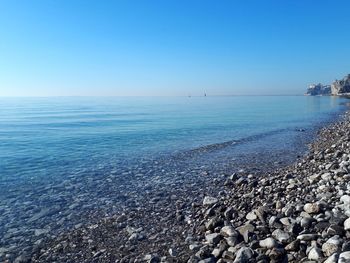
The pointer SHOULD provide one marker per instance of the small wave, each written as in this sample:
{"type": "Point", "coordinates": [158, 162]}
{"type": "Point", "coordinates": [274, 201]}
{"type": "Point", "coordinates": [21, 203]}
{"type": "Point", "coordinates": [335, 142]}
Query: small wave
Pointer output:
{"type": "Point", "coordinates": [230, 143]}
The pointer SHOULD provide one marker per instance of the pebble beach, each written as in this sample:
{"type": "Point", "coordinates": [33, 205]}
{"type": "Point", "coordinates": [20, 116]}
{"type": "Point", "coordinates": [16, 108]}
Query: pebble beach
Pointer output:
{"type": "Point", "coordinates": [297, 213]}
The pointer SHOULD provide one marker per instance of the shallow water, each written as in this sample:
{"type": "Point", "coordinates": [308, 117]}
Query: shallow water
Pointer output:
{"type": "Point", "coordinates": [61, 157]}
{"type": "Point", "coordinates": [50, 137]}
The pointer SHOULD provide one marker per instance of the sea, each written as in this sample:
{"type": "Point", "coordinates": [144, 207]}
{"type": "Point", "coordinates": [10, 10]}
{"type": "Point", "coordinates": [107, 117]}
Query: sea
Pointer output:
{"type": "Point", "coordinates": [63, 157]}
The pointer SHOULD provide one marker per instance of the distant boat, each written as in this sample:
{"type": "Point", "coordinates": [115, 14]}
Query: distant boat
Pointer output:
{"type": "Point", "coordinates": [205, 94]}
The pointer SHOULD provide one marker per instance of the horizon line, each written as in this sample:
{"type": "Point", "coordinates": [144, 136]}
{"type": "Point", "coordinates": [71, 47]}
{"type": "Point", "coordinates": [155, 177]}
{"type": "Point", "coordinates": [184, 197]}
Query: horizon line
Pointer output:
{"type": "Point", "coordinates": [116, 96]}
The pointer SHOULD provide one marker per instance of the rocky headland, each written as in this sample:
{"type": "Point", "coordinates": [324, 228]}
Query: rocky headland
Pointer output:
{"type": "Point", "coordinates": [341, 86]}
{"type": "Point", "coordinates": [318, 89]}
{"type": "Point", "coordinates": [300, 213]}
{"type": "Point", "coordinates": [337, 88]}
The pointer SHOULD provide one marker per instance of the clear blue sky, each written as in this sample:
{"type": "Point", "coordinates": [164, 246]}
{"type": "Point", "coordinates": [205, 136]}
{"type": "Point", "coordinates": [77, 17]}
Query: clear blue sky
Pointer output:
{"type": "Point", "coordinates": [171, 47]}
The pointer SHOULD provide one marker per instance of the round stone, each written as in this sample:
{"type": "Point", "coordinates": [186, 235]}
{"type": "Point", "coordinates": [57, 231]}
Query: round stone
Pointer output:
{"type": "Point", "coordinates": [344, 257]}
{"type": "Point", "coordinates": [208, 200]}
{"type": "Point", "coordinates": [347, 224]}
{"type": "Point", "coordinates": [228, 231]}
{"type": "Point", "coordinates": [315, 254]}
{"type": "Point", "coordinates": [280, 235]}
{"type": "Point", "coordinates": [268, 243]}
{"type": "Point", "coordinates": [251, 216]}
{"type": "Point", "coordinates": [311, 208]}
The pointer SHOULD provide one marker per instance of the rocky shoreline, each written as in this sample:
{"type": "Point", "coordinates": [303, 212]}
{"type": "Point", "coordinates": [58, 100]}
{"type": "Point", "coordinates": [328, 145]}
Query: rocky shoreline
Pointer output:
{"type": "Point", "coordinates": [294, 214]}
{"type": "Point", "coordinates": [297, 214]}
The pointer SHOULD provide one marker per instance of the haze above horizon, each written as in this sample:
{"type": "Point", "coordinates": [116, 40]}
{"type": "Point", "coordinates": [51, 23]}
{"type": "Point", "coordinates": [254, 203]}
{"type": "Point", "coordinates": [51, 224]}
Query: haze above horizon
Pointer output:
{"type": "Point", "coordinates": [171, 48]}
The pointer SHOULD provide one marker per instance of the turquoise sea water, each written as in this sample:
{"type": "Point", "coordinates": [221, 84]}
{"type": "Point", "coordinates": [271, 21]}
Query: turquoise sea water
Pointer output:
{"type": "Point", "coordinates": [62, 157]}
{"type": "Point", "coordinates": [49, 137]}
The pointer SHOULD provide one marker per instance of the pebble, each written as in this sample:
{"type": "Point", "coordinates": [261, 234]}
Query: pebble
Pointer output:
{"type": "Point", "coordinates": [332, 259]}
{"type": "Point", "coordinates": [311, 208]}
{"type": "Point", "coordinates": [268, 243]}
{"type": "Point", "coordinates": [307, 237]}
{"type": "Point", "coordinates": [228, 231]}
{"type": "Point", "coordinates": [251, 216]}
{"type": "Point", "coordinates": [213, 239]}
{"type": "Point", "coordinates": [245, 230]}
{"type": "Point", "coordinates": [293, 246]}
{"type": "Point", "coordinates": [307, 221]}
{"type": "Point", "coordinates": [344, 257]}
{"type": "Point", "coordinates": [347, 224]}
{"type": "Point", "coordinates": [315, 254]}
{"type": "Point", "coordinates": [330, 247]}
{"type": "Point", "coordinates": [244, 254]}
{"type": "Point", "coordinates": [172, 252]}
{"type": "Point", "coordinates": [208, 200]}
{"type": "Point", "coordinates": [345, 199]}
{"type": "Point", "coordinates": [281, 236]}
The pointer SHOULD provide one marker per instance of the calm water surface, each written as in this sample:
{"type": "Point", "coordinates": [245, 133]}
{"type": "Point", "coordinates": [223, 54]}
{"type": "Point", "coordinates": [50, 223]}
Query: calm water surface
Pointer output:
{"type": "Point", "coordinates": [50, 137]}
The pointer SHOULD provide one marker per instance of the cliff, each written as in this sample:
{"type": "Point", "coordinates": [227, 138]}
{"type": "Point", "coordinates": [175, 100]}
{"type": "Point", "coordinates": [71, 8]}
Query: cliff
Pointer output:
{"type": "Point", "coordinates": [338, 88]}
{"type": "Point", "coordinates": [341, 87]}
{"type": "Point", "coordinates": [318, 89]}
